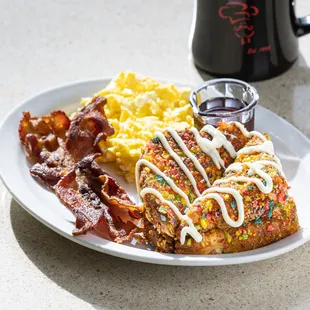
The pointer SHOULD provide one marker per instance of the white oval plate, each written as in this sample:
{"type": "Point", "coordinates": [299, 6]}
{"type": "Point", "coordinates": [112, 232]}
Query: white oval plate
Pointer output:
{"type": "Point", "coordinates": [291, 146]}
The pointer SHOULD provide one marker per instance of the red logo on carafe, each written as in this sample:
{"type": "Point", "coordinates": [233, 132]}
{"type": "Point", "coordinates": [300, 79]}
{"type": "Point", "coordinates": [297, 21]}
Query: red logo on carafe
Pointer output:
{"type": "Point", "coordinates": [239, 15]}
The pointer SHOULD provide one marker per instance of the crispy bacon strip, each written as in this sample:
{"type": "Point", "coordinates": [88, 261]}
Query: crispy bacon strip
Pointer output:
{"type": "Point", "coordinates": [88, 127]}
{"type": "Point", "coordinates": [51, 151]}
{"type": "Point", "coordinates": [45, 148]}
{"type": "Point", "coordinates": [111, 192]}
{"type": "Point", "coordinates": [59, 151]}
{"type": "Point", "coordinates": [80, 191]}
{"type": "Point", "coordinates": [39, 134]}
{"type": "Point", "coordinates": [118, 200]}
{"type": "Point", "coordinates": [90, 212]}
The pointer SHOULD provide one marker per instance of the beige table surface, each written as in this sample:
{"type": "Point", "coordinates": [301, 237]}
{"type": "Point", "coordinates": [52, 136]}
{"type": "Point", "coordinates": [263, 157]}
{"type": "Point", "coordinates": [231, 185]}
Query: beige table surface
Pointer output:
{"type": "Point", "coordinates": [45, 43]}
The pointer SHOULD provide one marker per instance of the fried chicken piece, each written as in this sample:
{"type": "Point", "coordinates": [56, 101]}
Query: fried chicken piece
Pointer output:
{"type": "Point", "coordinates": [268, 217]}
{"type": "Point", "coordinates": [163, 220]}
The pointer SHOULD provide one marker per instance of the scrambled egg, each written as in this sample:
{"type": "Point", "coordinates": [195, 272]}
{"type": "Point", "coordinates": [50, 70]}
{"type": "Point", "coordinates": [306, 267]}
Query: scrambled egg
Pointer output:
{"type": "Point", "coordinates": [137, 107]}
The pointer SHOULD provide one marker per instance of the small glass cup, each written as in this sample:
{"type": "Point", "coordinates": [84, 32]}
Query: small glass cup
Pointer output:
{"type": "Point", "coordinates": [224, 100]}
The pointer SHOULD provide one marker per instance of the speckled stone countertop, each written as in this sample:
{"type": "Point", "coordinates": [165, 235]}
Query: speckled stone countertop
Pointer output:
{"type": "Point", "coordinates": [45, 43]}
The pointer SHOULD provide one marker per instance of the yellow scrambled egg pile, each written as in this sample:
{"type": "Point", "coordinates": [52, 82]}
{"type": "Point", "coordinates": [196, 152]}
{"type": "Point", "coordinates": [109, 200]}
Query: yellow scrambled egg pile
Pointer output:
{"type": "Point", "coordinates": [137, 107]}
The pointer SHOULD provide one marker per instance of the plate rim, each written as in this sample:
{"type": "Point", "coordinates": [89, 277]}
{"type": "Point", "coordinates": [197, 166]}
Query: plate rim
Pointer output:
{"type": "Point", "coordinates": [163, 258]}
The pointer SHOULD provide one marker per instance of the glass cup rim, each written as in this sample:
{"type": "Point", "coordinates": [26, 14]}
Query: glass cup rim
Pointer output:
{"type": "Point", "coordinates": [250, 106]}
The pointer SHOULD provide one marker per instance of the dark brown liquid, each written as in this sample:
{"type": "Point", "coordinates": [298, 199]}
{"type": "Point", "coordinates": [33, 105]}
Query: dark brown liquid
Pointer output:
{"type": "Point", "coordinates": [223, 106]}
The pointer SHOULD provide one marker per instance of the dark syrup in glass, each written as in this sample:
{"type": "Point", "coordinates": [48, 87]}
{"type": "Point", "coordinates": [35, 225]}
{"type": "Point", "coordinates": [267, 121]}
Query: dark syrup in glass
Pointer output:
{"type": "Point", "coordinates": [223, 106]}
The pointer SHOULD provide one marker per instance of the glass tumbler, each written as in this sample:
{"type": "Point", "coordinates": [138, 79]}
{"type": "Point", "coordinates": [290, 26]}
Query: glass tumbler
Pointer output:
{"type": "Point", "coordinates": [224, 100]}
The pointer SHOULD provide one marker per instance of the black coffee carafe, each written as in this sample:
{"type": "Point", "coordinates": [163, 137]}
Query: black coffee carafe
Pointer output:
{"type": "Point", "coordinates": [249, 40]}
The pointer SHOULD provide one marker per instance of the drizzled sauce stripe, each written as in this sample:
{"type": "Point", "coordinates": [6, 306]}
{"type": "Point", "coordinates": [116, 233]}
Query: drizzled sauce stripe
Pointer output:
{"type": "Point", "coordinates": [178, 160]}
{"type": "Point", "coordinates": [213, 193]}
{"type": "Point", "coordinates": [188, 154]}
{"type": "Point", "coordinates": [266, 189]}
{"type": "Point", "coordinates": [248, 134]}
{"type": "Point", "coordinates": [209, 148]}
{"type": "Point", "coordinates": [158, 172]}
{"type": "Point", "coordinates": [266, 147]}
{"type": "Point", "coordinates": [191, 230]}
{"type": "Point", "coordinates": [217, 135]}
{"type": "Point", "coordinates": [239, 166]}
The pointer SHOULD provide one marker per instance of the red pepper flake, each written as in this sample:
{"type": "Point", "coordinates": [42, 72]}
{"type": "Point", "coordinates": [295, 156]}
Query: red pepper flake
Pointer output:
{"type": "Point", "coordinates": [270, 228]}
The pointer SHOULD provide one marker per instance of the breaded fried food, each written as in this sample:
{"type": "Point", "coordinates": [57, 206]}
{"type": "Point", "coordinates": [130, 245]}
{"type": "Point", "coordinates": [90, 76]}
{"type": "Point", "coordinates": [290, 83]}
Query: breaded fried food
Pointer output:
{"type": "Point", "coordinates": [181, 166]}
{"type": "Point", "coordinates": [240, 203]}
{"type": "Point", "coordinates": [264, 214]}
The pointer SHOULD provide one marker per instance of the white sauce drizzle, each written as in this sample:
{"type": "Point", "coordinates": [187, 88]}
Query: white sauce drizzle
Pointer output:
{"type": "Point", "coordinates": [239, 201]}
{"type": "Point", "coordinates": [157, 171]}
{"type": "Point", "coordinates": [277, 160]}
{"type": "Point", "coordinates": [248, 134]}
{"type": "Point", "coordinates": [221, 138]}
{"type": "Point", "coordinates": [210, 148]}
{"type": "Point", "coordinates": [189, 154]}
{"type": "Point", "coordinates": [178, 160]}
{"type": "Point", "coordinates": [238, 166]}
{"type": "Point", "coordinates": [266, 147]}
{"type": "Point", "coordinates": [254, 168]}
{"type": "Point", "coordinates": [264, 189]}
{"type": "Point", "coordinates": [191, 229]}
